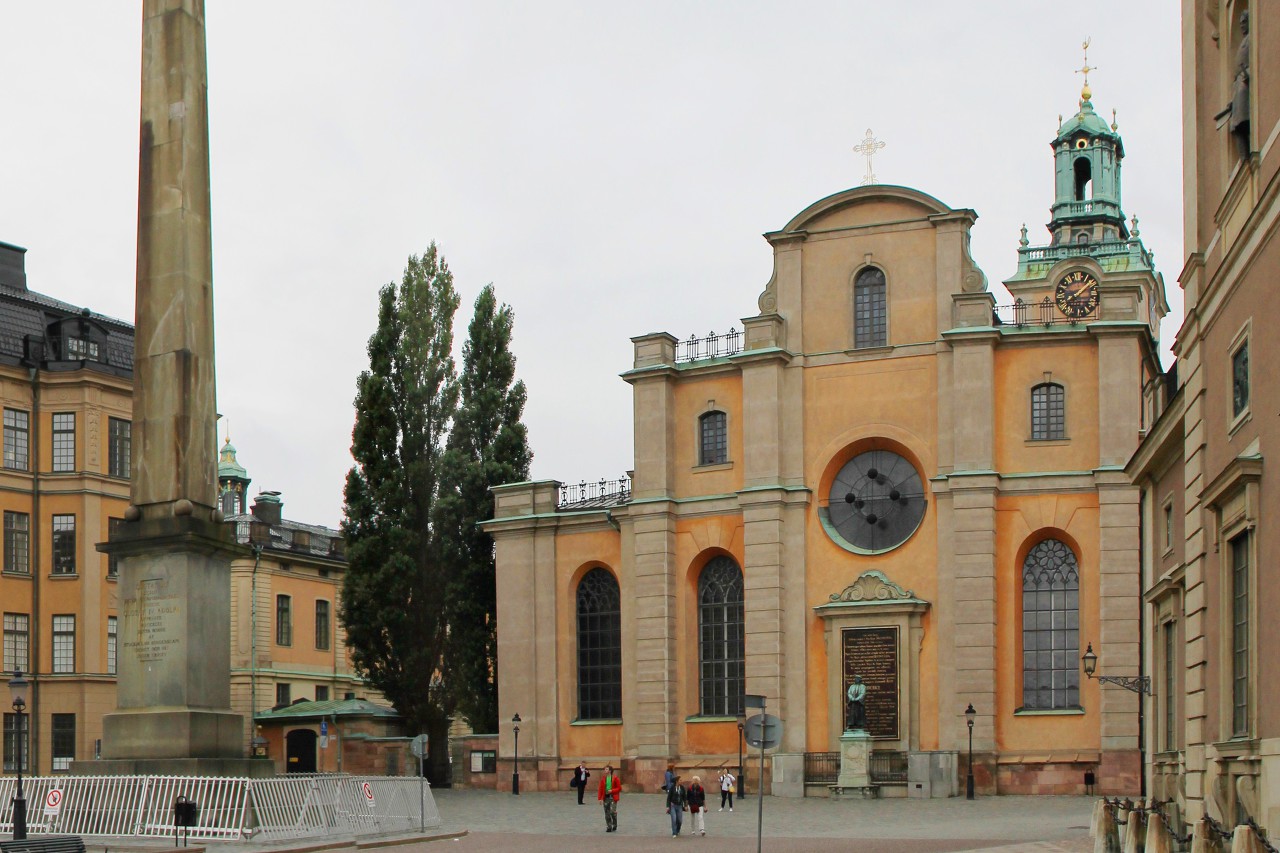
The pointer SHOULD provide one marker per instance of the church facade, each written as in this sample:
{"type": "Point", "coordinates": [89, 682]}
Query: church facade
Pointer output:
{"type": "Point", "coordinates": [886, 475]}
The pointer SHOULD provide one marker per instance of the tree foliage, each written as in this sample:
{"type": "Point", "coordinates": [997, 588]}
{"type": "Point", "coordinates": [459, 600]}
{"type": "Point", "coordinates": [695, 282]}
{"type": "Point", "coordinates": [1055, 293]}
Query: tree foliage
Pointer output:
{"type": "Point", "coordinates": [393, 608]}
{"type": "Point", "coordinates": [488, 445]}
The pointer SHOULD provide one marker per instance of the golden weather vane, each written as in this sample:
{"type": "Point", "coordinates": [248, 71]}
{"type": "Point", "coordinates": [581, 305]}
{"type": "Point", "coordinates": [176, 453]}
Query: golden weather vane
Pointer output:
{"type": "Point", "coordinates": [1085, 69]}
{"type": "Point", "coordinates": [868, 148]}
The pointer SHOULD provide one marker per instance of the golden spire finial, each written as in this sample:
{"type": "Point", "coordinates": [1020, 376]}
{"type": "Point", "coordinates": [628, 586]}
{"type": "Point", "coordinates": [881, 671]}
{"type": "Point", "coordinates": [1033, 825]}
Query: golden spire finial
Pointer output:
{"type": "Point", "coordinates": [1114, 127]}
{"type": "Point", "coordinates": [1085, 91]}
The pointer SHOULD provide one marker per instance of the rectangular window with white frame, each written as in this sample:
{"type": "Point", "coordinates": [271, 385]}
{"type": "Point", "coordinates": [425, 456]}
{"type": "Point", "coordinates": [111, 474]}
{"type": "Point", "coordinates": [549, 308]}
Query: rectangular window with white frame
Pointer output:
{"type": "Point", "coordinates": [112, 639]}
{"type": "Point", "coordinates": [17, 542]}
{"type": "Point", "coordinates": [16, 438]}
{"type": "Point", "coordinates": [1167, 515]}
{"type": "Point", "coordinates": [1240, 639]}
{"type": "Point", "coordinates": [1241, 378]}
{"type": "Point", "coordinates": [64, 544]}
{"type": "Point", "coordinates": [64, 741]}
{"type": "Point", "coordinates": [119, 447]}
{"type": "Point", "coordinates": [17, 642]}
{"type": "Point", "coordinates": [64, 442]}
{"type": "Point", "coordinates": [1170, 686]}
{"type": "Point", "coordinates": [17, 730]}
{"type": "Point", "coordinates": [64, 644]}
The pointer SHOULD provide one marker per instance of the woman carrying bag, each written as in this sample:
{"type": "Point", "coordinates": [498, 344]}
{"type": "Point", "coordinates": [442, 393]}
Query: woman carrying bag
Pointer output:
{"type": "Point", "coordinates": [697, 797]}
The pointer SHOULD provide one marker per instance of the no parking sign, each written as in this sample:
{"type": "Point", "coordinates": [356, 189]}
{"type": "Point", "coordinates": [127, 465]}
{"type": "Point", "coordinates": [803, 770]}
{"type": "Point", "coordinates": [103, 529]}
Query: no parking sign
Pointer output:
{"type": "Point", "coordinates": [368, 793]}
{"type": "Point", "coordinates": [53, 802]}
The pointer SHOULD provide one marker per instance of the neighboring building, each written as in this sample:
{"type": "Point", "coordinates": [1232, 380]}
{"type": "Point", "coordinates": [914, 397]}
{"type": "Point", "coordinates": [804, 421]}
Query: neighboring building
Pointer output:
{"type": "Point", "coordinates": [886, 474]}
{"type": "Point", "coordinates": [66, 383]}
{"type": "Point", "coordinates": [337, 736]}
{"type": "Point", "coordinates": [287, 582]}
{"type": "Point", "coordinates": [66, 378]}
{"type": "Point", "coordinates": [1210, 559]}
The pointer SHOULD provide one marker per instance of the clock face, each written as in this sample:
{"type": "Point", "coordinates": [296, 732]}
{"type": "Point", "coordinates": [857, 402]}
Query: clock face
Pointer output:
{"type": "Point", "coordinates": [876, 501]}
{"type": "Point", "coordinates": [1077, 294]}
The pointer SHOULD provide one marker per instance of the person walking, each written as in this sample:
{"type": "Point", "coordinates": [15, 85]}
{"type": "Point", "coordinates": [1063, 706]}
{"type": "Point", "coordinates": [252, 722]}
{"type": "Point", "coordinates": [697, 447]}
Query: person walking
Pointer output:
{"type": "Point", "coordinates": [697, 797]}
{"type": "Point", "coordinates": [610, 791]}
{"type": "Point", "coordinates": [677, 802]}
{"type": "Point", "coordinates": [668, 776]}
{"type": "Point", "coordinates": [580, 776]}
{"type": "Point", "coordinates": [727, 787]}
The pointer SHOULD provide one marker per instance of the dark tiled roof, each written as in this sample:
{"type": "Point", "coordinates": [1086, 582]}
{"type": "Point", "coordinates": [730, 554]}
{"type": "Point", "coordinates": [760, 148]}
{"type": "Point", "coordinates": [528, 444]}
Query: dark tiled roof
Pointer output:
{"type": "Point", "coordinates": [330, 708]}
{"type": "Point", "coordinates": [25, 318]}
{"type": "Point", "coordinates": [319, 541]}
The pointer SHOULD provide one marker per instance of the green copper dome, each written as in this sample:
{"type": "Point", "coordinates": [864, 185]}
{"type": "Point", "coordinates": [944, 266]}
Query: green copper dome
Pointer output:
{"type": "Point", "coordinates": [1089, 123]}
{"type": "Point", "coordinates": [227, 465]}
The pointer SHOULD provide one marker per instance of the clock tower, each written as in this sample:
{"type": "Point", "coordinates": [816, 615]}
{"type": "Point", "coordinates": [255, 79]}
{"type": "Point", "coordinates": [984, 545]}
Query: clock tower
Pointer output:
{"type": "Point", "coordinates": [1094, 267]}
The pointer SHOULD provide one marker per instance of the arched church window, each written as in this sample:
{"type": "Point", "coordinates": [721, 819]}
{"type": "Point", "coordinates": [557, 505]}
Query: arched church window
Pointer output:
{"type": "Point", "coordinates": [1048, 412]}
{"type": "Point", "coordinates": [722, 651]}
{"type": "Point", "coordinates": [870, 328]}
{"type": "Point", "coordinates": [1050, 627]}
{"type": "Point", "coordinates": [1084, 178]}
{"type": "Point", "coordinates": [714, 432]}
{"type": "Point", "coordinates": [599, 646]}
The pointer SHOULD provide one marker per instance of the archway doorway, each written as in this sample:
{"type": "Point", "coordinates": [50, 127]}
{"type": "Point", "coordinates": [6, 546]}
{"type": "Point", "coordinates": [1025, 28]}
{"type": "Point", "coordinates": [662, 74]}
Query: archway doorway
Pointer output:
{"type": "Point", "coordinates": [300, 751]}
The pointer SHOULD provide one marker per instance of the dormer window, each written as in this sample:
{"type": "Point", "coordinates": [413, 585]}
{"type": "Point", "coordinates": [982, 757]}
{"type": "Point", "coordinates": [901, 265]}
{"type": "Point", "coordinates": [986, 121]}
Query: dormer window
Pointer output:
{"type": "Point", "coordinates": [81, 349]}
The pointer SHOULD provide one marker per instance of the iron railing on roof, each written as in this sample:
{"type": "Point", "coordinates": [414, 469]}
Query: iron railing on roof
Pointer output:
{"type": "Point", "coordinates": [713, 345]}
{"type": "Point", "coordinates": [264, 535]}
{"type": "Point", "coordinates": [601, 493]}
{"type": "Point", "coordinates": [1042, 313]}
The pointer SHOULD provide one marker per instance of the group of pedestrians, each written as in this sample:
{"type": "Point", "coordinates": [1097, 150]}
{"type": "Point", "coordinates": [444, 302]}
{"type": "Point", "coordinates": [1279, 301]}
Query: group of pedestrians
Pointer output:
{"type": "Point", "coordinates": [680, 798]}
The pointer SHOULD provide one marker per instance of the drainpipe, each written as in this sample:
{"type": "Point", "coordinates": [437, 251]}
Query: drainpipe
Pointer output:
{"type": "Point", "coordinates": [33, 720]}
{"type": "Point", "coordinates": [253, 638]}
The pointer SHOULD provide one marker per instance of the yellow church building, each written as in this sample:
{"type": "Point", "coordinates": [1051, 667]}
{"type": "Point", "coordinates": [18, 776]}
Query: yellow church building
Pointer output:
{"type": "Point", "coordinates": [886, 474]}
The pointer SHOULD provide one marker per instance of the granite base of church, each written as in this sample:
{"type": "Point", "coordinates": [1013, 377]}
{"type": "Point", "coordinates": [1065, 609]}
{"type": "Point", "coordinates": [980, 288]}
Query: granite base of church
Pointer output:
{"type": "Point", "coordinates": [253, 768]}
{"type": "Point", "coordinates": [854, 781]}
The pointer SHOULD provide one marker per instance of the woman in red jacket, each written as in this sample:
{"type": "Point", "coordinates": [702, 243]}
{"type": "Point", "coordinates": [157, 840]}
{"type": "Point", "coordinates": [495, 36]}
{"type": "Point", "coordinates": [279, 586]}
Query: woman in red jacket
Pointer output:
{"type": "Point", "coordinates": [610, 791]}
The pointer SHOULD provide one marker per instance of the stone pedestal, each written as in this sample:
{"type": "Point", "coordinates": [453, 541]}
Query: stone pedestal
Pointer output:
{"type": "Point", "coordinates": [173, 697]}
{"type": "Point", "coordinates": [855, 767]}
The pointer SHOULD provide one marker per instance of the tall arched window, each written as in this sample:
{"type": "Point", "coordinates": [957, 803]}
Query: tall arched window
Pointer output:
{"type": "Point", "coordinates": [599, 647]}
{"type": "Point", "coordinates": [1050, 627]}
{"type": "Point", "coordinates": [870, 327]}
{"type": "Point", "coordinates": [1048, 412]}
{"type": "Point", "coordinates": [721, 643]}
{"type": "Point", "coordinates": [714, 432]}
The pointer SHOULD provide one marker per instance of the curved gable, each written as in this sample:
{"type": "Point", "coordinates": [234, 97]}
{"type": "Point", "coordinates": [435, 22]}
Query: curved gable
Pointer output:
{"type": "Point", "coordinates": [885, 195]}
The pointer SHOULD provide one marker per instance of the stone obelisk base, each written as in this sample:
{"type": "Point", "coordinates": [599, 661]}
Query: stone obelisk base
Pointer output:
{"type": "Point", "coordinates": [174, 714]}
{"type": "Point", "coordinates": [854, 781]}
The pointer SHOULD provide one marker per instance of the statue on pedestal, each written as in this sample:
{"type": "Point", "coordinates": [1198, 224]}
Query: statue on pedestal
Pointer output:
{"type": "Point", "coordinates": [856, 707]}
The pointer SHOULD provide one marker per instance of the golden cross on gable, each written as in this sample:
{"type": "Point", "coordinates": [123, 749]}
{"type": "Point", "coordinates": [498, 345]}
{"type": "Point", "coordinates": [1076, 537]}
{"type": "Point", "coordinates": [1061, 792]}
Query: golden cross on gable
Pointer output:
{"type": "Point", "coordinates": [868, 148]}
{"type": "Point", "coordinates": [1087, 67]}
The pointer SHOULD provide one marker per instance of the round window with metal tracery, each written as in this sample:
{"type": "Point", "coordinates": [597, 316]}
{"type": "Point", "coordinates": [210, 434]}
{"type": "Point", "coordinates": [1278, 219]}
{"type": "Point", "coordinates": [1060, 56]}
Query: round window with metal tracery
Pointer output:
{"type": "Point", "coordinates": [876, 502]}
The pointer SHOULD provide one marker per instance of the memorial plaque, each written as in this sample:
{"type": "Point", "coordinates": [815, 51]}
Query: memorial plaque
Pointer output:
{"type": "Point", "coordinates": [873, 654]}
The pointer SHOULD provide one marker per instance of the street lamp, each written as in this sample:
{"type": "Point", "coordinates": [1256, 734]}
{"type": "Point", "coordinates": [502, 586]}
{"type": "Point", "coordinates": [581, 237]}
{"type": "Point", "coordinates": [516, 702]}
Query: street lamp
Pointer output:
{"type": "Point", "coordinates": [969, 716]}
{"type": "Point", "coordinates": [1137, 684]}
{"type": "Point", "coordinates": [515, 760]}
{"type": "Point", "coordinates": [742, 722]}
{"type": "Point", "coordinates": [18, 691]}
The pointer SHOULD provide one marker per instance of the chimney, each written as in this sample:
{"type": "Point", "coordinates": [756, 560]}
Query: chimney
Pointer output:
{"type": "Point", "coordinates": [267, 507]}
{"type": "Point", "coordinates": [13, 266]}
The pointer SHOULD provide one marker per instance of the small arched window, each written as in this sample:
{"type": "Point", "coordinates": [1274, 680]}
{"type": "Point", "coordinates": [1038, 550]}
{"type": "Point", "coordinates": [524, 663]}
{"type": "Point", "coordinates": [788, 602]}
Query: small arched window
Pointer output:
{"type": "Point", "coordinates": [722, 651]}
{"type": "Point", "coordinates": [1050, 627]}
{"type": "Point", "coordinates": [1084, 178]}
{"type": "Point", "coordinates": [714, 433]}
{"type": "Point", "coordinates": [870, 327]}
{"type": "Point", "coordinates": [1048, 412]}
{"type": "Point", "coordinates": [599, 647]}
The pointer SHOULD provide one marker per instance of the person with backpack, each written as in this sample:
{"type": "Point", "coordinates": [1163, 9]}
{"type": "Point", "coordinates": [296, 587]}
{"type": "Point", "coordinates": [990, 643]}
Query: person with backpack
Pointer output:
{"type": "Point", "coordinates": [697, 797]}
{"type": "Point", "coordinates": [677, 802]}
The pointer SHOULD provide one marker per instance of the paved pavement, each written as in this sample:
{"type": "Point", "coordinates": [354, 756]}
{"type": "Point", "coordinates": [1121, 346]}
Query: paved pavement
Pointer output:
{"type": "Point", "coordinates": [547, 822]}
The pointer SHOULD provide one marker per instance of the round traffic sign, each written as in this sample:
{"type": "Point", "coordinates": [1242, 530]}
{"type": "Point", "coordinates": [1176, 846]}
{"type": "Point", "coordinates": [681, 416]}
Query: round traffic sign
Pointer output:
{"type": "Point", "coordinates": [368, 793]}
{"type": "Point", "coordinates": [53, 801]}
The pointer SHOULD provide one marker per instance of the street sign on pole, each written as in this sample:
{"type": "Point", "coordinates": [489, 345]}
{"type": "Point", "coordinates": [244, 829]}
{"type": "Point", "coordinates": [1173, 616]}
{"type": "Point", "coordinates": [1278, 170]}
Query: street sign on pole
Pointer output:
{"type": "Point", "coordinates": [53, 802]}
{"type": "Point", "coordinates": [419, 746]}
{"type": "Point", "coordinates": [763, 731]}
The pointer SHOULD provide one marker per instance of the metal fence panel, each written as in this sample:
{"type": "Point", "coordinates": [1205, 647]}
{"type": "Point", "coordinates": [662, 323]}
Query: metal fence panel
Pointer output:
{"type": "Point", "coordinates": [293, 806]}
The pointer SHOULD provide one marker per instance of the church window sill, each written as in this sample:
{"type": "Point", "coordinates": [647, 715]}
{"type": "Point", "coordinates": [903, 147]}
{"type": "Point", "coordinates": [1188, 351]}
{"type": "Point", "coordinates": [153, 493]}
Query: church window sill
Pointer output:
{"type": "Point", "coordinates": [63, 576]}
{"type": "Point", "coordinates": [12, 574]}
{"type": "Point", "coordinates": [616, 722]}
{"type": "Point", "coordinates": [1049, 712]}
{"type": "Point", "coordinates": [714, 466]}
{"type": "Point", "coordinates": [697, 718]}
{"type": "Point", "coordinates": [1047, 442]}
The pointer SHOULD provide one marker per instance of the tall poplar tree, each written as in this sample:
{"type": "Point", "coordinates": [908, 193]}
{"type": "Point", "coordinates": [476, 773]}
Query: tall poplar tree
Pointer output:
{"type": "Point", "coordinates": [393, 608]}
{"type": "Point", "coordinates": [488, 446]}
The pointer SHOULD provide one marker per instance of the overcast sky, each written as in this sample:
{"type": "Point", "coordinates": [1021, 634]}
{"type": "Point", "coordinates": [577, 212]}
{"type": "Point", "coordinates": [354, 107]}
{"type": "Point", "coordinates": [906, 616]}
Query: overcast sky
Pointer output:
{"type": "Point", "coordinates": [610, 167]}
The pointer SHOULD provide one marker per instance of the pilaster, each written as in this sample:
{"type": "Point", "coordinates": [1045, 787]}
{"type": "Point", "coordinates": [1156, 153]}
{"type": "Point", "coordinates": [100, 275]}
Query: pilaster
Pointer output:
{"type": "Point", "coordinates": [650, 732]}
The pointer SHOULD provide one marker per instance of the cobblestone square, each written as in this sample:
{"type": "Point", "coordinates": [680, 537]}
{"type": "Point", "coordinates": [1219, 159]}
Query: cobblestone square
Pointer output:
{"type": "Point", "coordinates": [540, 822]}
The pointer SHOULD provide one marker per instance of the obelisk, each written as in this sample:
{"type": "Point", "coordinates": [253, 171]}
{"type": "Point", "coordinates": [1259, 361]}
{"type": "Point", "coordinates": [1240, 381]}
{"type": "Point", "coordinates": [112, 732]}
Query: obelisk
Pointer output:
{"type": "Point", "coordinates": [173, 695]}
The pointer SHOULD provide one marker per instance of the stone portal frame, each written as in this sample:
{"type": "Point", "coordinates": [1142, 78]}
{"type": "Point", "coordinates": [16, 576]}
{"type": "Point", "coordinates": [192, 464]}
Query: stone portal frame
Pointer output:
{"type": "Point", "coordinates": [874, 601]}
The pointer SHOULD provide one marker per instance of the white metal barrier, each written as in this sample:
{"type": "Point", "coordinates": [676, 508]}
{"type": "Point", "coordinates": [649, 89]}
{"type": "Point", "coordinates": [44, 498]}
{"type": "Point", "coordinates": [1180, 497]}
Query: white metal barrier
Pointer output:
{"type": "Point", "coordinates": [230, 808]}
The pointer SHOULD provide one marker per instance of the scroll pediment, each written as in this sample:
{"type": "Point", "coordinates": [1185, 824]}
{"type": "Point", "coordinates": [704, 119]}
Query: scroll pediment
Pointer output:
{"type": "Point", "coordinates": [872, 589]}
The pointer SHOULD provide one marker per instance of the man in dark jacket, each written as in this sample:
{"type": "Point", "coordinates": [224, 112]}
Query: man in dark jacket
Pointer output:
{"type": "Point", "coordinates": [677, 802]}
{"type": "Point", "coordinates": [580, 776]}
